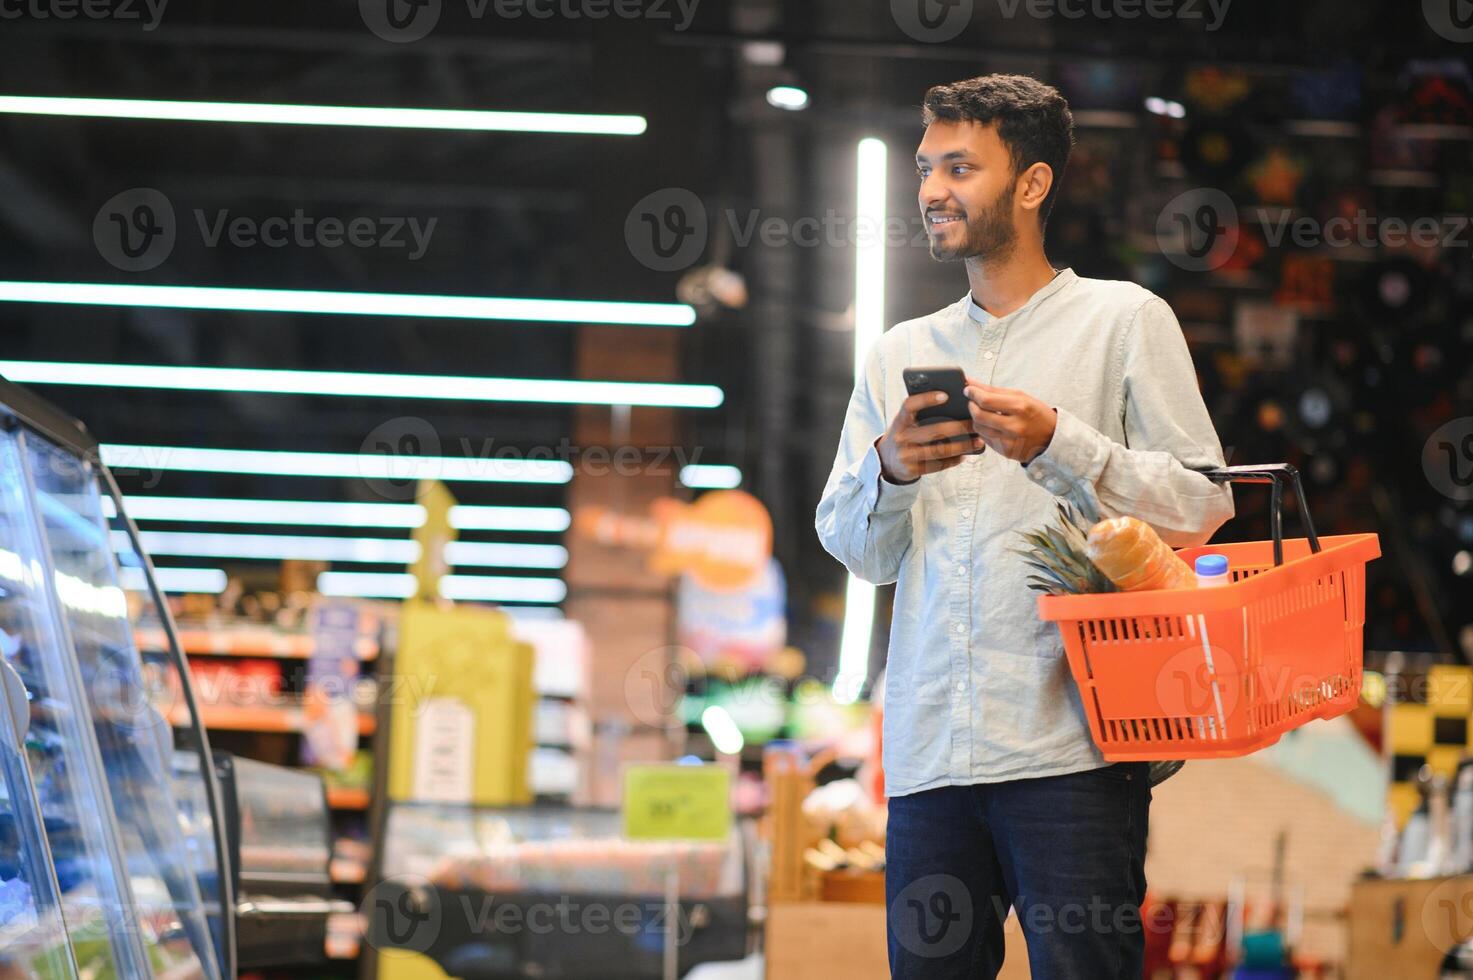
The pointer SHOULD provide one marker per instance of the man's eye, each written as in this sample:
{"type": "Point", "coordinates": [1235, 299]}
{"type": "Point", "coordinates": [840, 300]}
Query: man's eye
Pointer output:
{"type": "Point", "coordinates": [920, 172]}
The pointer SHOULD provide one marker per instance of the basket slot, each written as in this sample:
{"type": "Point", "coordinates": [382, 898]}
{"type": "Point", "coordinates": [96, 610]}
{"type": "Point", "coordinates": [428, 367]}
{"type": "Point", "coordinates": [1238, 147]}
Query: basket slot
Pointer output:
{"type": "Point", "coordinates": [1084, 649]}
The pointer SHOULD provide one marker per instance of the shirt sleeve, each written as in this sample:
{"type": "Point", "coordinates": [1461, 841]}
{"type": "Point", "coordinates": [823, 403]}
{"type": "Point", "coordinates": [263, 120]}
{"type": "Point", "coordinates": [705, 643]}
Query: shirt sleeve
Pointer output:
{"type": "Point", "coordinates": [1168, 434]}
{"type": "Point", "coordinates": [863, 519]}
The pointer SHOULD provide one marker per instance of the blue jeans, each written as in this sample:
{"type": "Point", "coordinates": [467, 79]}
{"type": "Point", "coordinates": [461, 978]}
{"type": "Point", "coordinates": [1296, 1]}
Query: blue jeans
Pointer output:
{"type": "Point", "coordinates": [1066, 852]}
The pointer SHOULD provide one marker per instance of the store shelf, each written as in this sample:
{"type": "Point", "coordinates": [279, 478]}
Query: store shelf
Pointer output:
{"type": "Point", "coordinates": [260, 642]}
{"type": "Point", "coordinates": [347, 798]}
{"type": "Point", "coordinates": [236, 718]}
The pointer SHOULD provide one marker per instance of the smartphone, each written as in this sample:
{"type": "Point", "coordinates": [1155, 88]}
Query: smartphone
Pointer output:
{"type": "Point", "coordinates": [951, 380]}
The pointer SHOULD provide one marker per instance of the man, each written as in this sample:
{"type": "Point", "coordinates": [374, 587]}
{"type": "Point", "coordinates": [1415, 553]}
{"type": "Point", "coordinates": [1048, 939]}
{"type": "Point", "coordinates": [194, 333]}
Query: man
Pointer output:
{"type": "Point", "coordinates": [998, 796]}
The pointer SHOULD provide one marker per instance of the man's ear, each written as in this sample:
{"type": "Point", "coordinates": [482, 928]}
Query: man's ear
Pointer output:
{"type": "Point", "coordinates": [1034, 185]}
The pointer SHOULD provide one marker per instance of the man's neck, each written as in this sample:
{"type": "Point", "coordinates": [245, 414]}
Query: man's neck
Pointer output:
{"type": "Point", "coordinates": [1001, 287]}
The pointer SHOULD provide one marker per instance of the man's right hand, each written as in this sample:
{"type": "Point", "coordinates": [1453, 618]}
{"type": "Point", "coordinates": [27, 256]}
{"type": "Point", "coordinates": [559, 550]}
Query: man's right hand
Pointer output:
{"type": "Point", "coordinates": [909, 450]}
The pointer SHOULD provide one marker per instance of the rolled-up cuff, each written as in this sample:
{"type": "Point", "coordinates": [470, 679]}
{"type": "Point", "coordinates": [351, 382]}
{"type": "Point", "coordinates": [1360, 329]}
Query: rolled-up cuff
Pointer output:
{"type": "Point", "coordinates": [884, 497]}
{"type": "Point", "coordinates": [1076, 454]}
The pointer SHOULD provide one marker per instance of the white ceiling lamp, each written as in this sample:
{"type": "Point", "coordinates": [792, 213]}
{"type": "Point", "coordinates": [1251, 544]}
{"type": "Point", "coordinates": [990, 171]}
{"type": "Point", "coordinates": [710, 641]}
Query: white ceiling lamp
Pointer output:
{"type": "Point", "coordinates": [471, 120]}
{"type": "Point", "coordinates": [321, 513]}
{"type": "Point", "coordinates": [465, 588]}
{"type": "Point", "coordinates": [360, 385]}
{"type": "Point", "coordinates": [365, 466]}
{"type": "Point", "coordinates": [788, 97]}
{"type": "Point", "coordinates": [702, 476]}
{"type": "Point", "coordinates": [276, 547]}
{"type": "Point", "coordinates": [377, 551]}
{"type": "Point", "coordinates": [314, 301]}
{"type": "Point", "coordinates": [210, 581]}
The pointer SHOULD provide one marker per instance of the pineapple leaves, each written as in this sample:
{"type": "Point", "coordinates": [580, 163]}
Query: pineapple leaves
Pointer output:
{"type": "Point", "coordinates": [1057, 553]}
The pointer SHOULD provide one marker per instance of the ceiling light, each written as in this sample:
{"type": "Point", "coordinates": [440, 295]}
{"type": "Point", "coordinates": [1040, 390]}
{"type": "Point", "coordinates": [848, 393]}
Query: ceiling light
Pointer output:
{"type": "Point", "coordinates": [476, 588]}
{"type": "Point", "coordinates": [353, 384]}
{"type": "Point", "coordinates": [349, 304]}
{"type": "Point", "coordinates": [367, 466]}
{"type": "Point", "coordinates": [704, 477]}
{"type": "Point", "coordinates": [476, 120]}
{"type": "Point", "coordinates": [200, 580]}
{"type": "Point", "coordinates": [324, 513]}
{"type": "Point", "coordinates": [788, 97]}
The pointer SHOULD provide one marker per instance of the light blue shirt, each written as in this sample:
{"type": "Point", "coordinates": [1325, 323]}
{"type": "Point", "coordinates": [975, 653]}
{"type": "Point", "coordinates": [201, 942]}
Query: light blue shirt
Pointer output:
{"type": "Point", "coordinates": [977, 687]}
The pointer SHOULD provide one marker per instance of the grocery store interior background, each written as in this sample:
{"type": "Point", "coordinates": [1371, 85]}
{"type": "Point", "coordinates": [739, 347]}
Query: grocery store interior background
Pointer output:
{"type": "Point", "coordinates": [587, 266]}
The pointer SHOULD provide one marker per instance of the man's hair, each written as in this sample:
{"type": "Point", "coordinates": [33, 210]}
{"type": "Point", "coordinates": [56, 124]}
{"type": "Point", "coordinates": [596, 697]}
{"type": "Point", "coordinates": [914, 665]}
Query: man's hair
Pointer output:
{"type": "Point", "coordinates": [1033, 120]}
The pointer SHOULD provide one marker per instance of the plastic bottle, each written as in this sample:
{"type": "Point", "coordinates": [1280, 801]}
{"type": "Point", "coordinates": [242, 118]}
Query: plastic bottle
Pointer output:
{"type": "Point", "coordinates": [1212, 571]}
{"type": "Point", "coordinates": [1460, 856]}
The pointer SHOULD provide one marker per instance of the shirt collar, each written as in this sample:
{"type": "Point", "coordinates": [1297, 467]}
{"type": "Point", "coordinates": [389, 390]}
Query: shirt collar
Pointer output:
{"type": "Point", "coordinates": [1055, 284]}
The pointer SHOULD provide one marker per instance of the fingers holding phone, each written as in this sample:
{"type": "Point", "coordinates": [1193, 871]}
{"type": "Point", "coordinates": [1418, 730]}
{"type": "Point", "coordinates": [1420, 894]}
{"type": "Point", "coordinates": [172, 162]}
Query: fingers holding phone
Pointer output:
{"type": "Point", "coordinates": [933, 429]}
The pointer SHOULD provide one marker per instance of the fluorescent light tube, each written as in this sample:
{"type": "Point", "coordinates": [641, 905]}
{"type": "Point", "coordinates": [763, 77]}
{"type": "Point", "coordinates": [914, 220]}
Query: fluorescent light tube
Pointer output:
{"type": "Point", "coordinates": [705, 477]}
{"type": "Point", "coordinates": [360, 385]}
{"type": "Point", "coordinates": [473, 120]}
{"type": "Point", "coordinates": [202, 580]}
{"type": "Point", "coordinates": [368, 466]}
{"type": "Point", "coordinates": [385, 551]}
{"type": "Point", "coordinates": [323, 513]}
{"type": "Point", "coordinates": [869, 325]}
{"type": "Point", "coordinates": [351, 304]}
{"type": "Point", "coordinates": [482, 588]}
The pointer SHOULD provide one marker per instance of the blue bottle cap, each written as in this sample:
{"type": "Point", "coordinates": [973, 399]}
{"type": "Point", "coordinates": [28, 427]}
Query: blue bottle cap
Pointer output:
{"type": "Point", "coordinates": [1212, 565]}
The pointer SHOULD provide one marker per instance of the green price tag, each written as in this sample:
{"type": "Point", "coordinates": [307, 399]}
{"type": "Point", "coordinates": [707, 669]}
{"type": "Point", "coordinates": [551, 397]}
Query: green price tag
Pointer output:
{"type": "Point", "coordinates": [677, 802]}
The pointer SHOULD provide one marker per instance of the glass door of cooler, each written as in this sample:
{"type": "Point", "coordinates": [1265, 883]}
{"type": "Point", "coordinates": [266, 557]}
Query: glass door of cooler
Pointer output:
{"type": "Point", "coordinates": [33, 941]}
{"type": "Point", "coordinates": [166, 687]}
{"type": "Point", "coordinates": [61, 760]}
{"type": "Point", "coordinates": [134, 737]}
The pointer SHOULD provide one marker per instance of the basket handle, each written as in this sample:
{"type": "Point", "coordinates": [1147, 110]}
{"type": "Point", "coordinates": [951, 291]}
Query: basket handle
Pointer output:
{"type": "Point", "coordinates": [1275, 474]}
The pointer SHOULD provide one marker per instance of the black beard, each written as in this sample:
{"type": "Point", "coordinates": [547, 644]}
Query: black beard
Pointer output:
{"type": "Point", "coordinates": [990, 236]}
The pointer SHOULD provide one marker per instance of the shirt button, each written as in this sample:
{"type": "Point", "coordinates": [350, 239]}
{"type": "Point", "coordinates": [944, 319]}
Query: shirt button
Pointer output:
{"type": "Point", "coordinates": [961, 685]}
{"type": "Point", "coordinates": [987, 355]}
{"type": "Point", "coordinates": [958, 627]}
{"type": "Point", "coordinates": [1053, 485]}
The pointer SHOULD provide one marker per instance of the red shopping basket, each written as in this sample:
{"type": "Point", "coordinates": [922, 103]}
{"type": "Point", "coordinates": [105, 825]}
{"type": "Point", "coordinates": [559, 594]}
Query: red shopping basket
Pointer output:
{"type": "Point", "coordinates": [1222, 672]}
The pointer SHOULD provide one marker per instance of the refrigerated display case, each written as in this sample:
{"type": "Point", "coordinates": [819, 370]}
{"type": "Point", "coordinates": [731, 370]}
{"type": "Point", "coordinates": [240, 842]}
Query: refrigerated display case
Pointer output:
{"type": "Point", "coordinates": [99, 877]}
{"type": "Point", "coordinates": [555, 892]}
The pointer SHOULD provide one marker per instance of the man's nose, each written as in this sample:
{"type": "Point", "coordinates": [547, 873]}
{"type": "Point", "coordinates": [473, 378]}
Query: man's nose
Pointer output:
{"type": "Point", "coordinates": [932, 193]}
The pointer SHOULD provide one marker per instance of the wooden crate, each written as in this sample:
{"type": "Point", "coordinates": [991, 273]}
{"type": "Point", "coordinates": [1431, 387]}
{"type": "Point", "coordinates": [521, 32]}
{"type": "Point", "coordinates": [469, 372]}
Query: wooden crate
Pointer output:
{"type": "Point", "coordinates": [847, 939]}
{"type": "Point", "coordinates": [1405, 928]}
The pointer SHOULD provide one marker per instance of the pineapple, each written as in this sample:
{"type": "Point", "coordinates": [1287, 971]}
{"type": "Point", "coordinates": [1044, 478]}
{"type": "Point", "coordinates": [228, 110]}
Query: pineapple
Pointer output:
{"type": "Point", "coordinates": [1058, 554]}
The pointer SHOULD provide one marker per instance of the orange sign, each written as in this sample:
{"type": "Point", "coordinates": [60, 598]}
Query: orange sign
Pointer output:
{"type": "Point", "coordinates": [723, 540]}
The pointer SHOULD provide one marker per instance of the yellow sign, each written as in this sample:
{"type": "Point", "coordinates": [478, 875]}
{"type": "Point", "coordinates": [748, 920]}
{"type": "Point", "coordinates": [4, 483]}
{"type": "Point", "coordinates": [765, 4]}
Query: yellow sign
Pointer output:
{"type": "Point", "coordinates": [433, 535]}
{"type": "Point", "coordinates": [677, 802]}
{"type": "Point", "coordinates": [461, 726]}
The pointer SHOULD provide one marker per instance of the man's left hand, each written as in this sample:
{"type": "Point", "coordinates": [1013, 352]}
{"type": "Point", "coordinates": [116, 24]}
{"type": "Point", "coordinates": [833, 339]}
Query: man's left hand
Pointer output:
{"type": "Point", "coordinates": [1011, 422]}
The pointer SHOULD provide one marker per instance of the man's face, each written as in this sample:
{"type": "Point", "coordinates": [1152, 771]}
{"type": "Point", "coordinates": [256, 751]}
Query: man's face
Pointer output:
{"type": "Point", "coordinates": [966, 194]}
